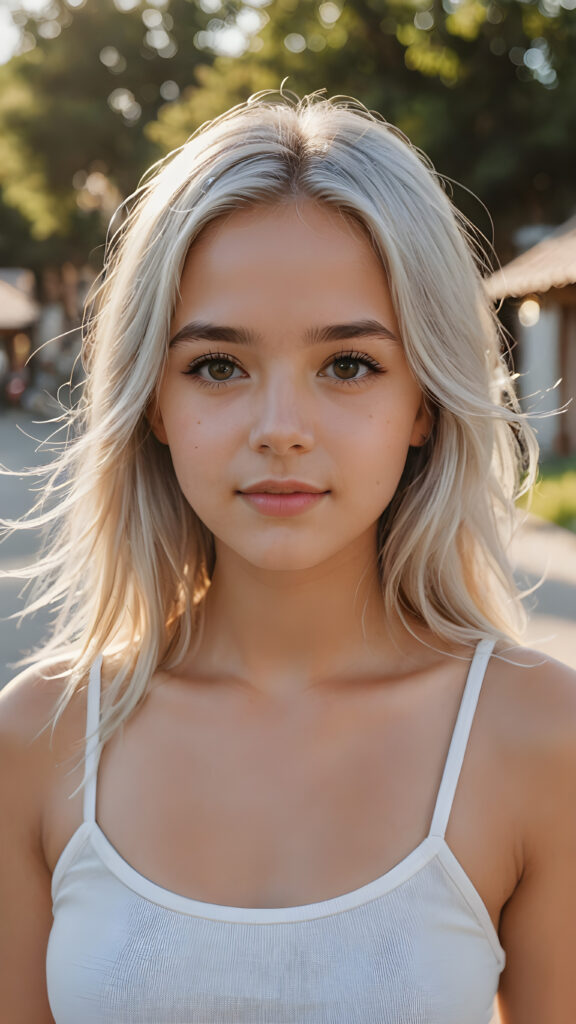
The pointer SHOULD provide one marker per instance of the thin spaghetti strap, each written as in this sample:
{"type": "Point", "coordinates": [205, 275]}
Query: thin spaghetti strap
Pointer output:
{"type": "Point", "coordinates": [460, 736]}
{"type": "Point", "coordinates": [92, 740]}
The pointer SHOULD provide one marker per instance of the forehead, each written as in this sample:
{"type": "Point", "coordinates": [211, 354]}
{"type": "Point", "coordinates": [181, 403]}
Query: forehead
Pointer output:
{"type": "Point", "coordinates": [291, 257]}
{"type": "Point", "coordinates": [287, 218]}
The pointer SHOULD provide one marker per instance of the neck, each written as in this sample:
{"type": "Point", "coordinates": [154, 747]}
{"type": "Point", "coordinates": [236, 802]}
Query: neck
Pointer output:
{"type": "Point", "coordinates": [282, 632]}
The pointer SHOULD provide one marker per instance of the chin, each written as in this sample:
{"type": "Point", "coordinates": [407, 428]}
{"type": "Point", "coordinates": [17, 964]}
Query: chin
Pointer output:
{"type": "Point", "coordinates": [275, 562]}
{"type": "Point", "coordinates": [278, 556]}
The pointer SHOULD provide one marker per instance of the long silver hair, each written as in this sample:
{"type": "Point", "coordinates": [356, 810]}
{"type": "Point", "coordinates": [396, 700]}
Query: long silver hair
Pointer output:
{"type": "Point", "coordinates": [127, 562]}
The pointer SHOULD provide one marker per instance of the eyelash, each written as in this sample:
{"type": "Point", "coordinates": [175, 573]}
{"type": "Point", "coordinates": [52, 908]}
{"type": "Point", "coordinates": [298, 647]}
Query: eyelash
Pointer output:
{"type": "Point", "coordinates": [222, 357]}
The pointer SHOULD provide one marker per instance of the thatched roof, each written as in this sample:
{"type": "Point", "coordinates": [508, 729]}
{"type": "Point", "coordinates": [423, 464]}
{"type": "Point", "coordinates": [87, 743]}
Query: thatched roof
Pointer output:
{"type": "Point", "coordinates": [17, 310]}
{"type": "Point", "coordinates": [549, 264]}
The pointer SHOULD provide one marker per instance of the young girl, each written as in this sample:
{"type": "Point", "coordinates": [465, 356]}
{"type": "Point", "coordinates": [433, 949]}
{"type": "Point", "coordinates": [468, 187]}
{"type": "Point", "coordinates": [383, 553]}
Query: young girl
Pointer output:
{"type": "Point", "coordinates": [321, 782]}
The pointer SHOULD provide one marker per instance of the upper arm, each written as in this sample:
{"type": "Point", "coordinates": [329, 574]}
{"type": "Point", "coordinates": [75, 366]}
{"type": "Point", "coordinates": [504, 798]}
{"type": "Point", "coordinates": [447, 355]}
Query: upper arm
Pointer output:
{"type": "Point", "coordinates": [538, 924]}
{"type": "Point", "coordinates": [25, 901]}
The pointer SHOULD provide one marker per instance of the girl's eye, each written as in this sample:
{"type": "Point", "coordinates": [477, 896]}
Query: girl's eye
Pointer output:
{"type": "Point", "coordinates": [347, 363]}
{"type": "Point", "coordinates": [220, 368]}
{"type": "Point", "coordinates": [218, 365]}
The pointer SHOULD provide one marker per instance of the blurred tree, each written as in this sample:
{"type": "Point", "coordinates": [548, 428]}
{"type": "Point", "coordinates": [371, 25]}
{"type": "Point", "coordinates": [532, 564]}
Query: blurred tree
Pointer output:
{"type": "Point", "coordinates": [104, 87]}
{"type": "Point", "coordinates": [73, 107]}
{"type": "Point", "coordinates": [485, 87]}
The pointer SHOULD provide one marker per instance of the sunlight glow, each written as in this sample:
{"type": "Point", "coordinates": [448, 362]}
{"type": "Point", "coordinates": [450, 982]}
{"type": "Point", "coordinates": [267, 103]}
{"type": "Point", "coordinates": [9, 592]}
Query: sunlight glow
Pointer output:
{"type": "Point", "coordinates": [529, 313]}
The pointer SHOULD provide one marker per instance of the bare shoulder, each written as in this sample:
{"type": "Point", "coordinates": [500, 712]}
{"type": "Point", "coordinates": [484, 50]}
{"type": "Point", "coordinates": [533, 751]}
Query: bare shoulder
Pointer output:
{"type": "Point", "coordinates": [31, 693]}
{"type": "Point", "coordinates": [28, 744]}
{"type": "Point", "coordinates": [28, 702]}
{"type": "Point", "coordinates": [30, 759]}
{"type": "Point", "coordinates": [531, 699]}
{"type": "Point", "coordinates": [536, 693]}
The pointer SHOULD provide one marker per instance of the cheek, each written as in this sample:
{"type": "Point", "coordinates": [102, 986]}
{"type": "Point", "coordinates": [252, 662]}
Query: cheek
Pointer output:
{"type": "Point", "coordinates": [373, 466]}
{"type": "Point", "coordinates": [386, 430]}
{"type": "Point", "coordinates": [200, 451]}
{"type": "Point", "coordinates": [377, 453]}
{"type": "Point", "coordinates": [185, 427]}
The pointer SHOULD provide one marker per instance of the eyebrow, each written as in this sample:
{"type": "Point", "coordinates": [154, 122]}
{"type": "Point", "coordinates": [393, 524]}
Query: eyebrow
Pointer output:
{"type": "Point", "coordinates": [199, 330]}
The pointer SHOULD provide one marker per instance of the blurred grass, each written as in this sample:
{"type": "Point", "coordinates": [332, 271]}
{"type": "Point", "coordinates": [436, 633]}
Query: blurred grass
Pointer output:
{"type": "Point", "coordinates": [554, 495]}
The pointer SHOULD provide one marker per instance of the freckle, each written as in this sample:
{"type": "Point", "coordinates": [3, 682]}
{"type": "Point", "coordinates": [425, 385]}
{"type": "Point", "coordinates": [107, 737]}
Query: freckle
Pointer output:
{"type": "Point", "coordinates": [198, 422]}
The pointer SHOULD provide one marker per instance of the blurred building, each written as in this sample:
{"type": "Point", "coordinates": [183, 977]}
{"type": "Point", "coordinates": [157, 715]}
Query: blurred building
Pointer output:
{"type": "Point", "coordinates": [540, 288]}
{"type": "Point", "coordinates": [40, 337]}
{"type": "Point", "coordinates": [19, 315]}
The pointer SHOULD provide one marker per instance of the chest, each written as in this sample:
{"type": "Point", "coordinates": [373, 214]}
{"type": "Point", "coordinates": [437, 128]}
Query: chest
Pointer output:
{"type": "Point", "coordinates": [268, 813]}
{"type": "Point", "coordinates": [392, 960]}
{"type": "Point", "coordinates": [257, 807]}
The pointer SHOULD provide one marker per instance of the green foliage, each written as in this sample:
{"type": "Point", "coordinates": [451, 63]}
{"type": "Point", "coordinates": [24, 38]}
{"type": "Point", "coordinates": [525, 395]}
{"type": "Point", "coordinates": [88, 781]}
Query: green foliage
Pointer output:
{"type": "Point", "coordinates": [219, 87]}
{"type": "Point", "coordinates": [485, 87]}
{"type": "Point", "coordinates": [467, 20]}
{"type": "Point", "coordinates": [73, 109]}
{"type": "Point", "coordinates": [554, 495]}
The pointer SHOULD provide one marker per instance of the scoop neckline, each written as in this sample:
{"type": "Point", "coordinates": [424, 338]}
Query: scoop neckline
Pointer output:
{"type": "Point", "coordinates": [399, 873]}
{"type": "Point", "coordinates": [432, 848]}
{"type": "Point", "coordinates": [429, 847]}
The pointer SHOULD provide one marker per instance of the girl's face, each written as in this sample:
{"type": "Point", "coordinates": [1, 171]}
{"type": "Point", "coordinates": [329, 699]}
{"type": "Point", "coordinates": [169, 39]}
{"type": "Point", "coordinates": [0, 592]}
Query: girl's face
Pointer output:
{"type": "Point", "coordinates": [286, 364]}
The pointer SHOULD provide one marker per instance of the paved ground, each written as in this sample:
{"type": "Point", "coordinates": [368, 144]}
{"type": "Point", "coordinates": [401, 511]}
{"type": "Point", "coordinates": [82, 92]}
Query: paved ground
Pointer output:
{"type": "Point", "coordinates": [546, 555]}
{"type": "Point", "coordinates": [541, 551]}
{"type": "Point", "coordinates": [16, 452]}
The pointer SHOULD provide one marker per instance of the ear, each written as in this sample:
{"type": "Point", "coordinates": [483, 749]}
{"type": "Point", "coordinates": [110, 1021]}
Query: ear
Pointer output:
{"type": "Point", "coordinates": [423, 425]}
{"type": "Point", "coordinates": [154, 417]}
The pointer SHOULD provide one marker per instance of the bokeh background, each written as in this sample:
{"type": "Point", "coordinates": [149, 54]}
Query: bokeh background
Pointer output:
{"type": "Point", "coordinates": [94, 91]}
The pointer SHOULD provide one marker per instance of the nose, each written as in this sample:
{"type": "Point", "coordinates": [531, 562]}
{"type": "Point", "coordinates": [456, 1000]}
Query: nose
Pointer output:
{"type": "Point", "coordinates": [281, 417]}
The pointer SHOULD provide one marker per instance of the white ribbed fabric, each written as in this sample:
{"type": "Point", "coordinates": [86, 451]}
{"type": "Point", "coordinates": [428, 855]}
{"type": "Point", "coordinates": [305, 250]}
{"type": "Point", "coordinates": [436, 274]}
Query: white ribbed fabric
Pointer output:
{"type": "Point", "coordinates": [416, 946]}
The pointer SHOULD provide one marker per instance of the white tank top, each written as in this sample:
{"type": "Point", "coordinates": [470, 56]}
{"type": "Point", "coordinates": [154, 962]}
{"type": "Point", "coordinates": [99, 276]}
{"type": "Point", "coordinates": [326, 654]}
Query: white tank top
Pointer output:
{"type": "Point", "coordinates": [415, 946]}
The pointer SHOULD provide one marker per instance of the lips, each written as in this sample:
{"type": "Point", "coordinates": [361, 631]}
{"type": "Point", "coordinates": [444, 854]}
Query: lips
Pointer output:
{"type": "Point", "coordinates": [282, 487]}
{"type": "Point", "coordinates": [282, 504]}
